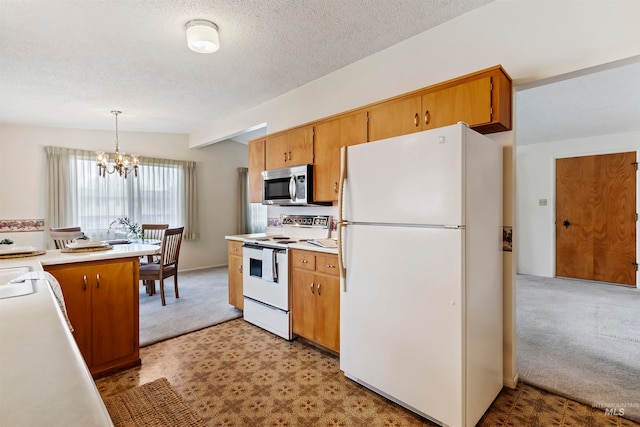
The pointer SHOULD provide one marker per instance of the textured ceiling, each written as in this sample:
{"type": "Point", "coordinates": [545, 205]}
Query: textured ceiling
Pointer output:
{"type": "Point", "coordinates": [602, 102]}
{"type": "Point", "coordinates": [67, 63]}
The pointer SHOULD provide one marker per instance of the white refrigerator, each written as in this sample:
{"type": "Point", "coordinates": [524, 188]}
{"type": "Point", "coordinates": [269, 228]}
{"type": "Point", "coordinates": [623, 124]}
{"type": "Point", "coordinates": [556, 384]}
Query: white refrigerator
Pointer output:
{"type": "Point", "coordinates": [421, 255]}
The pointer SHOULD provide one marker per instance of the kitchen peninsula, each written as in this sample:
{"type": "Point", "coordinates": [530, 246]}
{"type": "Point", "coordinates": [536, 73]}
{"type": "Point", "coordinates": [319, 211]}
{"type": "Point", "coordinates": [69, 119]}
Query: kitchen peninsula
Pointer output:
{"type": "Point", "coordinates": [45, 377]}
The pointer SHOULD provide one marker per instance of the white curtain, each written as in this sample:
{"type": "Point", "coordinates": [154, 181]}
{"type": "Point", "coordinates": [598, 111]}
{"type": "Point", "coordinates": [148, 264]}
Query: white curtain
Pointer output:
{"type": "Point", "coordinates": [163, 192]}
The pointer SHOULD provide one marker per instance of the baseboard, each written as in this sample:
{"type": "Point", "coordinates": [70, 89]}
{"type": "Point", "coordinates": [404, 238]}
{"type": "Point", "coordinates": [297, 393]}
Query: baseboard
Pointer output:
{"type": "Point", "coordinates": [511, 382]}
{"type": "Point", "coordinates": [201, 268]}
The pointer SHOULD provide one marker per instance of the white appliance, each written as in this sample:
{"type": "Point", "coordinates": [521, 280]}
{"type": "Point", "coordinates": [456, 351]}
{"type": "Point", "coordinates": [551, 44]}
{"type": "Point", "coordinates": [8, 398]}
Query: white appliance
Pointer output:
{"type": "Point", "coordinates": [265, 271]}
{"type": "Point", "coordinates": [288, 186]}
{"type": "Point", "coordinates": [265, 286]}
{"type": "Point", "coordinates": [421, 257]}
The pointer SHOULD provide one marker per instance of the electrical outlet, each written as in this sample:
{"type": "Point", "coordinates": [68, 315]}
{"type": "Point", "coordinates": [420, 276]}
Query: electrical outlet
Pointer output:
{"type": "Point", "coordinates": [542, 202]}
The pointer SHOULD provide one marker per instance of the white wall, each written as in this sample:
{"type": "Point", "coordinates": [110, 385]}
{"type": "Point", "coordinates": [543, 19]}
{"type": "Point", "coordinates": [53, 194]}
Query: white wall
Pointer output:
{"type": "Point", "coordinates": [23, 174]}
{"type": "Point", "coordinates": [535, 179]}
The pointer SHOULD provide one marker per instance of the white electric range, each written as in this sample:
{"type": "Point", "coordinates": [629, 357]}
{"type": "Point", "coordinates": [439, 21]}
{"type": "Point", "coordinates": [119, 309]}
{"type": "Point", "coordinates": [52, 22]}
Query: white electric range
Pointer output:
{"type": "Point", "coordinates": [265, 270]}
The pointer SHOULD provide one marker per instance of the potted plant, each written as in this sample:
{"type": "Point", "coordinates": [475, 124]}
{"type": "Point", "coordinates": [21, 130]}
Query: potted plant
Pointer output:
{"type": "Point", "coordinates": [6, 244]}
{"type": "Point", "coordinates": [133, 228]}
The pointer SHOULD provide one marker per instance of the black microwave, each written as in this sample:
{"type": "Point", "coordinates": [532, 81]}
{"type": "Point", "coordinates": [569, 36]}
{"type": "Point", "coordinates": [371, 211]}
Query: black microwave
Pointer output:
{"type": "Point", "coordinates": [292, 186]}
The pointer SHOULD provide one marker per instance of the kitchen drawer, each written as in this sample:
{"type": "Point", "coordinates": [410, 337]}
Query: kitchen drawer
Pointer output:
{"type": "Point", "coordinates": [303, 259]}
{"type": "Point", "coordinates": [235, 247]}
{"type": "Point", "coordinates": [327, 264]}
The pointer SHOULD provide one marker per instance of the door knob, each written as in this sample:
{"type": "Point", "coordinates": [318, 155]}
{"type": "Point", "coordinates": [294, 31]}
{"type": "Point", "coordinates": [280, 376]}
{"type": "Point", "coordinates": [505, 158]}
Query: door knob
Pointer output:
{"type": "Point", "coordinates": [566, 223]}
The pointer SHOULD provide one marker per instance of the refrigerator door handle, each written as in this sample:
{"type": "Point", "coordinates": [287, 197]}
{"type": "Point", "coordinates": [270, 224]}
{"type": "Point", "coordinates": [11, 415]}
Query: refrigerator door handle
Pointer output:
{"type": "Point", "coordinates": [341, 222]}
{"type": "Point", "coordinates": [343, 176]}
{"type": "Point", "coordinates": [341, 267]}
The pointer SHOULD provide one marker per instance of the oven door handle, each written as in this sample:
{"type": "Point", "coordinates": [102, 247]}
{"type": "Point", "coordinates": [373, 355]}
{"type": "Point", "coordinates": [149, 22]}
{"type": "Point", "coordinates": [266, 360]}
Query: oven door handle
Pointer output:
{"type": "Point", "coordinates": [293, 185]}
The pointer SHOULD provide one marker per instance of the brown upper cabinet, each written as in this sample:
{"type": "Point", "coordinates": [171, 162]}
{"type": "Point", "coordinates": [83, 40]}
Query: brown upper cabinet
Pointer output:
{"type": "Point", "coordinates": [482, 100]}
{"type": "Point", "coordinates": [330, 136]}
{"type": "Point", "coordinates": [468, 102]}
{"type": "Point", "coordinates": [256, 166]}
{"type": "Point", "coordinates": [290, 148]}
{"type": "Point", "coordinates": [395, 118]}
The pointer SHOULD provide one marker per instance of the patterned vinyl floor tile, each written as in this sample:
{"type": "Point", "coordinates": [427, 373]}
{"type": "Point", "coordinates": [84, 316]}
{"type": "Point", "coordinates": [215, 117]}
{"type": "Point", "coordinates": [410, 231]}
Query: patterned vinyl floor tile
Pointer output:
{"type": "Point", "coordinates": [235, 374]}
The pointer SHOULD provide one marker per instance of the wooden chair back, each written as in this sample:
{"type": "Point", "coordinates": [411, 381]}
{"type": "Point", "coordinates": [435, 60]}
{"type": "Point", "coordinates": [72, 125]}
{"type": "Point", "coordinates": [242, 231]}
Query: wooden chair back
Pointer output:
{"type": "Point", "coordinates": [153, 231]}
{"type": "Point", "coordinates": [171, 242]}
{"type": "Point", "coordinates": [62, 236]}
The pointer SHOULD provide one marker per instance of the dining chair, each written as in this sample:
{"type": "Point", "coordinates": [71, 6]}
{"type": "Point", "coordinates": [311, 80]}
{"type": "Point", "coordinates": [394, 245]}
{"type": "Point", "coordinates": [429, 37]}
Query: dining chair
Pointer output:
{"type": "Point", "coordinates": [168, 264]}
{"type": "Point", "coordinates": [153, 232]}
{"type": "Point", "coordinates": [62, 236]}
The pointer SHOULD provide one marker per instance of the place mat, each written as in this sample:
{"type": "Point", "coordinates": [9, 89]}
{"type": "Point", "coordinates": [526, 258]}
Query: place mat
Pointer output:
{"type": "Point", "coordinates": [88, 249]}
{"type": "Point", "coordinates": [23, 255]}
{"type": "Point", "coordinates": [150, 405]}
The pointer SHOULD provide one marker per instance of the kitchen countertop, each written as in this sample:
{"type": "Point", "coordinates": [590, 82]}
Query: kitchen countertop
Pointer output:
{"type": "Point", "coordinates": [299, 245]}
{"type": "Point", "coordinates": [54, 257]}
{"type": "Point", "coordinates": [43, 377]}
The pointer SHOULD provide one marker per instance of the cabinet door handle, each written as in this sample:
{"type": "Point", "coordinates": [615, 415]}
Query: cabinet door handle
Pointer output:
{"type": "Point", "coordinates": [84, 282]}
{"type": "Point", "coordinates": [335, 187]}
{"type": "Point", "coordinates": [330, 266]}
{"type": "Point", "coordinates": [312, 287]}
{"type": "Point", "coordinates": [318, 289]}
{"type": "Point", "coordinates": [240, 269]}
{"type": "Point", "coordinates": [289, 155]}
{"type": "Point", "coordinates": [284, 157]}
{"type": "Point", "coordinates": [427, 117]}
{"type": "Point", "coordinates": [416, 120]}
{"type": "Point", "coordinates": [98, 281]}
{"type": "Point", "coordinates": [304, 261]}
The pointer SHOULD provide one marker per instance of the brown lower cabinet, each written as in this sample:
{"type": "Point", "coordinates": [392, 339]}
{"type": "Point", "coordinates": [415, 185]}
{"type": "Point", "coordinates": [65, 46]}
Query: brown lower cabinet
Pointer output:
{"type": "Point", "coordinates": [102, 300]}
{"type": "Point", "coordinates": [315, 288]}
{"type": "Point", "coordinates": [235, 274]}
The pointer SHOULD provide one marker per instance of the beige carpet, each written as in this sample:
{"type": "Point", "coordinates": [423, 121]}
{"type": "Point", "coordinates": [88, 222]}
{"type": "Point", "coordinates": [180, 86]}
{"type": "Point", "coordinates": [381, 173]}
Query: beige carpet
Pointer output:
{"type": "Point", "coordinates": [203, 302]}
{"type": "Point", "coordinates": [154, 404]}
{"type": "Point", "coordinates": [581, 339]}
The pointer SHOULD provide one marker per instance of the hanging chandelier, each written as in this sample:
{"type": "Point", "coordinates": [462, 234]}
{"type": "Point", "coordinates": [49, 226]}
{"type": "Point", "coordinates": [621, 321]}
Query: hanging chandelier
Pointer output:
{"type": "Point", "coordinates": [122, 163]}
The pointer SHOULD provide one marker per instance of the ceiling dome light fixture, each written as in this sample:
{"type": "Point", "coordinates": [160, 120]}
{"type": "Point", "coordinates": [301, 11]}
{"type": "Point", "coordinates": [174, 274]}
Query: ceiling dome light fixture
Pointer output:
{"type": "Point", "coordinates": [202, 36]}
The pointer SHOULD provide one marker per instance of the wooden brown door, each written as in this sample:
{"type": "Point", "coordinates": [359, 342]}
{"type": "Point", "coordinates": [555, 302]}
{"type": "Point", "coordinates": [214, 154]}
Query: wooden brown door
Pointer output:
{"type": "Point", "coordinates": [77, 297]}
{"type": "Point", "coordinates": [303, 304]}
{"type": "Point", "coordinates": [327, 161]}
{"type": "Point", "coordinates": [256, 166]}
{"type": "Point", "coordinates": [329, 137]}
{"type": "Point", "coordinates": [114, 306]}
{"type": "Point", "coordinates": [468, 102]}
{"type": "Point", "coordinates": [395, 118]}
{"type": "Point", "coordinates": [596, 218]}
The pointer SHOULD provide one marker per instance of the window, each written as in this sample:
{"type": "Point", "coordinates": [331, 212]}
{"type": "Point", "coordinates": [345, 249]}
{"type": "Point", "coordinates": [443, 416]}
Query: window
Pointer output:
{"type": "Point", "coordinates": [163, 192]}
